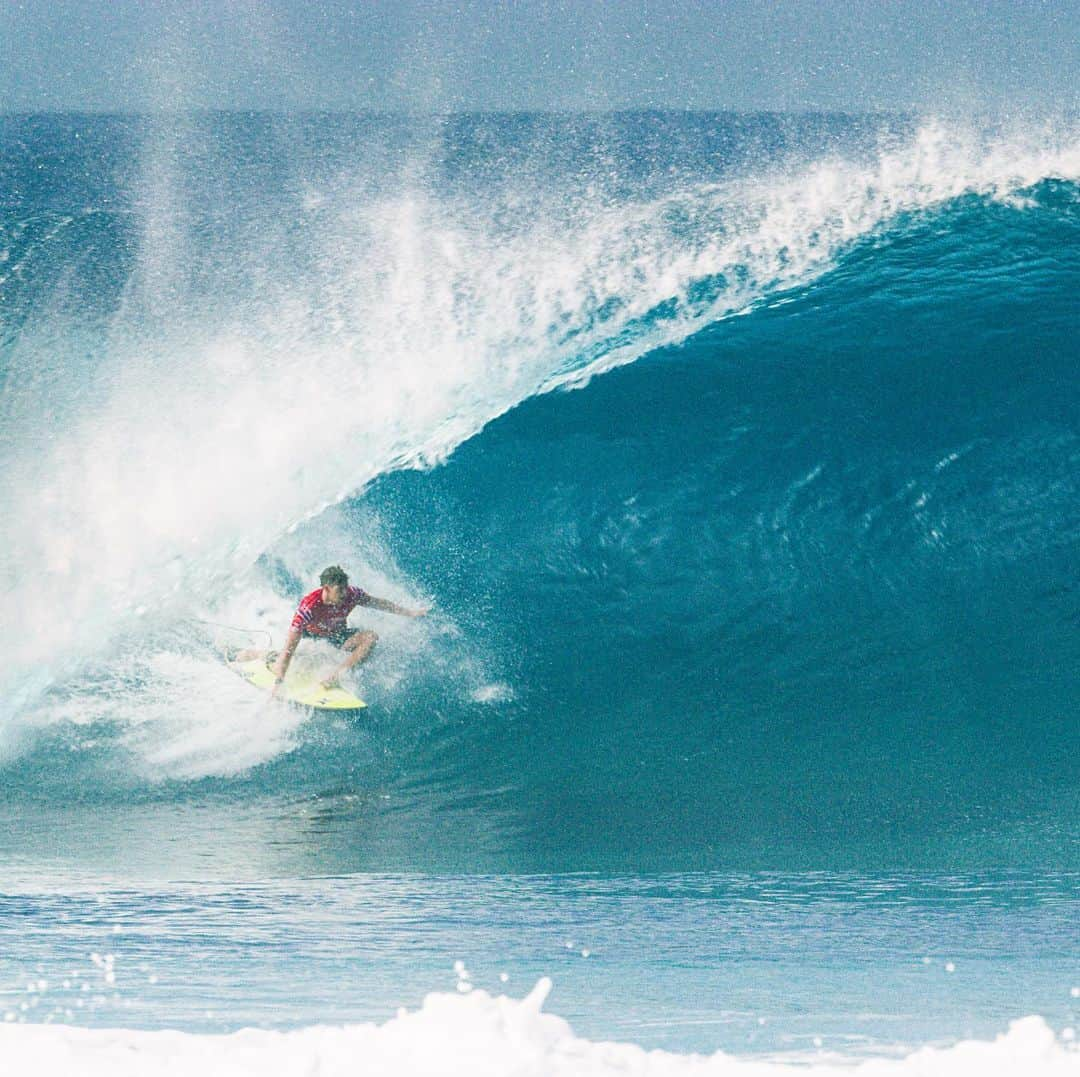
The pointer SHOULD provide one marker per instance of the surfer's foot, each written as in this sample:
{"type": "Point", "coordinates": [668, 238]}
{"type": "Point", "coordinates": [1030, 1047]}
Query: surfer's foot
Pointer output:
{"type": "Point", "coordinates": [330, 682]}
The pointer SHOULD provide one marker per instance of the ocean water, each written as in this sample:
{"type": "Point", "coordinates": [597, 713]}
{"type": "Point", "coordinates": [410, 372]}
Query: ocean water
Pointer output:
{"type": "Point", "coordinates": [737, 457]}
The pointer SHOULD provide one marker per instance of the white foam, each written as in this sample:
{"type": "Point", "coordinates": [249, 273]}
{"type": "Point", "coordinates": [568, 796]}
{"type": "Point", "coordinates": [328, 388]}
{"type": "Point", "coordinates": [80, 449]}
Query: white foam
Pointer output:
{"type": "Point", "coordinates": [493, 692]}
{"type": "Point", "coordinates": [476, 1035]}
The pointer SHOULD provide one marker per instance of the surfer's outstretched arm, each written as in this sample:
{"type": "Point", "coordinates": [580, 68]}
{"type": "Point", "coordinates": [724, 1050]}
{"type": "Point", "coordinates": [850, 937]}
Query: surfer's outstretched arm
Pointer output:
{"type": "Point", "coordinates": [386, 606]}
{"type": "Point", "coordinates": [285, 657]}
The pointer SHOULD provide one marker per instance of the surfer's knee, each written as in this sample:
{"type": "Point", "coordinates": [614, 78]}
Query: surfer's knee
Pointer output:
{"type": "Point", "coordinates": [367, 638]}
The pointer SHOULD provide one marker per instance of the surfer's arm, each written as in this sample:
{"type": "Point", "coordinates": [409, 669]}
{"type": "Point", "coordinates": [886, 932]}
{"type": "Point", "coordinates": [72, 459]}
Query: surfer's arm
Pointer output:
{"type": "Point", "coordinates": [386, 606]}
{"type": "Point", "coordinates": [282, 664]}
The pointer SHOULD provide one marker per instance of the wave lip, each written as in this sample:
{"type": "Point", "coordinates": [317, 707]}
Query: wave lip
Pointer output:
{"type": "Point", "coordinates": [476, 1034]}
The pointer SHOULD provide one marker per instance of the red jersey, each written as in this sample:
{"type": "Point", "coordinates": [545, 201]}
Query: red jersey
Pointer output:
{"type": "Point", "coordinates": [314, 617]}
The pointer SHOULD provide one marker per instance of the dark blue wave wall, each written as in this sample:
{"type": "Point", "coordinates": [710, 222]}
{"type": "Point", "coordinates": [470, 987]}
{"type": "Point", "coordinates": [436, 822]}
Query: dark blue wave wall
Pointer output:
{"type": "Point", "coordinates": [803, 591]}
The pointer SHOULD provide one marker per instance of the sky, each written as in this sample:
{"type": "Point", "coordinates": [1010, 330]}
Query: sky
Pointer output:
{"type": "Point", "coordinates": [139, 55]}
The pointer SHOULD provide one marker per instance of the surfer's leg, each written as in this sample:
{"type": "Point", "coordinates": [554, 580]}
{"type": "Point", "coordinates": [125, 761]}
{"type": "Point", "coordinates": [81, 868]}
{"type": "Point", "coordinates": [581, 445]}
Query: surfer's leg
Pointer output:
{"type": "Point", "coordinates": [359, 645]}
{"type": "Point", "coordinates": [356, 647]}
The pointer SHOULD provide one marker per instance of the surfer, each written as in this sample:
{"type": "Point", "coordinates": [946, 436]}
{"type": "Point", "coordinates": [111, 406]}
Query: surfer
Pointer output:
{"type": "Point", "coordinates": [324, 614]}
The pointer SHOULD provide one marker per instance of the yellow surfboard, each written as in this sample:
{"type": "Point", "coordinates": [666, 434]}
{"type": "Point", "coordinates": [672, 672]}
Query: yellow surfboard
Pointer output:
{"type": "Point", "coordinates": [301, 686]}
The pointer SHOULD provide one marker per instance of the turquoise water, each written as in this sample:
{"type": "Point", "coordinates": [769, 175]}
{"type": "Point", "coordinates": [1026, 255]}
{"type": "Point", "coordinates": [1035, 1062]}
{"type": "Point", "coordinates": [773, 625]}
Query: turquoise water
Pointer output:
{"type": "Point", "coordinates": [751, 666]}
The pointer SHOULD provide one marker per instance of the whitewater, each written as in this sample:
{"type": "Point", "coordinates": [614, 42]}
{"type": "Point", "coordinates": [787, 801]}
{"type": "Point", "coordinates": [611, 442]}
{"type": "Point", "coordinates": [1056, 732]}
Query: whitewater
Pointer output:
{"type": "Point", "coordinates": [737, 457]}
{"type": "Point", "coordinates": [484, 1035]}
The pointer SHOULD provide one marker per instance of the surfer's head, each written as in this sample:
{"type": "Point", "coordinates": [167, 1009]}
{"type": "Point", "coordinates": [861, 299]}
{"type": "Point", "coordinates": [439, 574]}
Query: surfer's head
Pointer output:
{"type": "Point", "coordinates": [335, 583]}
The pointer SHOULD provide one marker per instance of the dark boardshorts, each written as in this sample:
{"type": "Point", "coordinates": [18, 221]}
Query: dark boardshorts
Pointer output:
{"type": "Point", "coordinates": [336, 638]}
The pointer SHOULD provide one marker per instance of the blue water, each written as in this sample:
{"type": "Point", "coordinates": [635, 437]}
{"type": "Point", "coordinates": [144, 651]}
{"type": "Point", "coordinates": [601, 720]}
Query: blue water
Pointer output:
{"type": "Point", "coordinates": [768, 625]}
{"type": "Point", "coordinates": [758, 964]}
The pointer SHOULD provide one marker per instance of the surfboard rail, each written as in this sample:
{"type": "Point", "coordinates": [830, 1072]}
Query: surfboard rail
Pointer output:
{"type": "Point", "coordinates": [301, 687]}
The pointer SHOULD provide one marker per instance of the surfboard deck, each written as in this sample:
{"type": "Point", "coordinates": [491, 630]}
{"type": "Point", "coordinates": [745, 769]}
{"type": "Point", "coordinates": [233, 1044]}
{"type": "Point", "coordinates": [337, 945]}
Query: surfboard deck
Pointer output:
{"type": "Point", "coordinates": [301, 687]}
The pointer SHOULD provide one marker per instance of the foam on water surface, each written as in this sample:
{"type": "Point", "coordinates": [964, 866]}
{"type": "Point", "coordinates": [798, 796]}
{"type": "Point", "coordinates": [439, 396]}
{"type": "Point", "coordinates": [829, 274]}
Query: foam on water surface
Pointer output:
{"type": "Point", "coordinates": [472, 1034]}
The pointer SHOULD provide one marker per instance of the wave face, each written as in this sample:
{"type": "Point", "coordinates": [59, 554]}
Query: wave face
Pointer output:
{"type": "Point", "coordinates": [795, 584]}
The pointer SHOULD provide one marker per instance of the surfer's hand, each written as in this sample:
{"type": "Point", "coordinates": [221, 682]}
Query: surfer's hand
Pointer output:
{"type": "Point", "coordinates": [418, 613]}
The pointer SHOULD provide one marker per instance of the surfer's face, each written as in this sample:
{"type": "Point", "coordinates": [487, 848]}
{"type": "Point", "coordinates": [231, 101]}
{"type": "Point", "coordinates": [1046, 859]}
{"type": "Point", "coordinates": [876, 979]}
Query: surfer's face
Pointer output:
{"type": "Point", "coordinates": [333, 593]}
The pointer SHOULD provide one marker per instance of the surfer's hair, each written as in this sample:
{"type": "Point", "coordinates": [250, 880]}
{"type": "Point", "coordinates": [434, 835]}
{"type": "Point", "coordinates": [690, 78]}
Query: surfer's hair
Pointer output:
{"type": "Point", "coordinates": [334, 575]}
